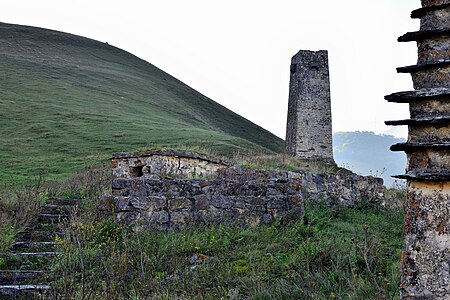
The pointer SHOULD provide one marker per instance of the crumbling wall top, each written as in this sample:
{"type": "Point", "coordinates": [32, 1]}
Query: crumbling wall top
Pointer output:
{"type": "Point", "coordinates": [157, 163]}
{"type": "Point", "coordinates": [170, 152]}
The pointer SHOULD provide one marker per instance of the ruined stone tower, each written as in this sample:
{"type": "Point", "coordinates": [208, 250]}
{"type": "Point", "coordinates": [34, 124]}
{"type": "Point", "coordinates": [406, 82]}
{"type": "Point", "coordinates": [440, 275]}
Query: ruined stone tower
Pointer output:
{"type": "Point", "coordinates": [308, 133]}
{"type": "Point", "coordinates": [426, 242]}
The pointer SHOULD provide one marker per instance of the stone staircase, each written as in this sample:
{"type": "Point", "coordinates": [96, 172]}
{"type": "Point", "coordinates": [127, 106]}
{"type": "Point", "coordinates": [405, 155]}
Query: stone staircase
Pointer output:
{"type": "Point", "coordinates": [25, 274]}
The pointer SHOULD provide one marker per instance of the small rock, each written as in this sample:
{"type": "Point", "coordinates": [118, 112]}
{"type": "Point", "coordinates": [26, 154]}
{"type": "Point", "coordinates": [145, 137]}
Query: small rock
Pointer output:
{"type": "Point", "coordinates": [198, 258]}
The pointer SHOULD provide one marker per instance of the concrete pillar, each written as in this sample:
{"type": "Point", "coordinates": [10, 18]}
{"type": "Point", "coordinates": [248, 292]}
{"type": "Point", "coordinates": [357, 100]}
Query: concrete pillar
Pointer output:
{"type": "Point", "coordinates": [426, 242]}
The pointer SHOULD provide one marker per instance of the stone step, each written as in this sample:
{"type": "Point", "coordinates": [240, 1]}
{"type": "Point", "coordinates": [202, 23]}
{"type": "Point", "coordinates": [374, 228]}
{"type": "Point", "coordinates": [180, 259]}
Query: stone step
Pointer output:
{"type": "Point", "coordinates": [29, 259]}
{"type": "Point", "coordinates": [37, 236]}
{"type": "Point", "coordinates": [44, 253]}
{"type": "Point", "coordinates": [25, 290]}
{"type": "Point", "coordinates": [58, 209]}
{"type": "Point", "coordinates": [18, 276]}
{"type": "Point", "coordinates": [53, 218]}
{"type": "Point", "coordinates": [64, 201]}
{"type": "Point", "coordinates": [34, 249]}
{"type": "Point", "coordinates": [47, 226]}
{"type": "Point", "coordinates": [32, 245]}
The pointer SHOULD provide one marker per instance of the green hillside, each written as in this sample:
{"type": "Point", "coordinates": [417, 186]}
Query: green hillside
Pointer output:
{"type": "Point", "coordinates": [65, 100]}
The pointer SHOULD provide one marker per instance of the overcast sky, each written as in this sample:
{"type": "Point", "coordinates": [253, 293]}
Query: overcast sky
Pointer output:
{"type": "Point", "coordinates": [237, 52]}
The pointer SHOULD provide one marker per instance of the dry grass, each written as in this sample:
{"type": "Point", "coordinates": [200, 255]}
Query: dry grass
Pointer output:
{"type": "Point", "coordinates": [91, 183]}
{"type": "Point", "coordinates": [17, 210]}
{"type": "Point", "coordinates": [284, 162]}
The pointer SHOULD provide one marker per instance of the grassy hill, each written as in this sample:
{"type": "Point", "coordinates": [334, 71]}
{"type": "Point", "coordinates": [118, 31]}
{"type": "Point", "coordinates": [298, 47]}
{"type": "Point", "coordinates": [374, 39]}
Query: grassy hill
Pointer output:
{"type": "Point", "coordinates": [66, 100]}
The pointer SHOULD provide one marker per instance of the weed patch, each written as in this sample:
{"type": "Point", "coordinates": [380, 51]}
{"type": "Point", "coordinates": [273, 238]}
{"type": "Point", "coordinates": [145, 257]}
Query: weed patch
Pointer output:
{"type": "Point", "coordinates": [352, 254]}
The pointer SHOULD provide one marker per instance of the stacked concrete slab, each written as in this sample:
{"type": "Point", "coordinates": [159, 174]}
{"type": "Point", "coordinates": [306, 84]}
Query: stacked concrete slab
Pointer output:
{"type": "Point", "coordinates": [426, 244]}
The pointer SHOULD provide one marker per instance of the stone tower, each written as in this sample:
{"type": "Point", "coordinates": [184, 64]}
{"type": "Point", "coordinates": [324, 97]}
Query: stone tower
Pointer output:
{"type": "Point", "coordinates": [426, 242]}
{"type": "Point", "coordinates": [308, 133]}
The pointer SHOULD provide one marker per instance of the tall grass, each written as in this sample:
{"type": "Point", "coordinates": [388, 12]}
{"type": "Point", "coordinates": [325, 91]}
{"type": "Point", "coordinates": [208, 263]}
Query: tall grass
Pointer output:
{"type": "Point", "coordinates": [331, 253]}
{"type": "Point", "coordinates": [18, 208]}
{"type": "Point", "coordinates": [89, 185]}
{"type": "Point", "coordinates": [319, 257]}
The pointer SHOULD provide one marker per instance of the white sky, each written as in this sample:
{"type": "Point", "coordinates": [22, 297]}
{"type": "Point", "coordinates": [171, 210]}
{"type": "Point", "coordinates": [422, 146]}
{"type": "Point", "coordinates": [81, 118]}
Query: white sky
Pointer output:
{"type": "Point", "coordinates": [237, 52]}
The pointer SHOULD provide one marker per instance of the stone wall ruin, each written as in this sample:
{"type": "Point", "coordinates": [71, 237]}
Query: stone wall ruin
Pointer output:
{"type": "Point", "coordinates": [229, 194]}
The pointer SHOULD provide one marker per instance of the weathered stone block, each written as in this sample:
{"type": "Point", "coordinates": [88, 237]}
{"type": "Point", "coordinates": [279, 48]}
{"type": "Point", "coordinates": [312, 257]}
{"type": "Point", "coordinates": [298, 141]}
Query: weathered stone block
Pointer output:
{"type": "Point", "coordinates": [203, 216]}
{"type": "Point", "coordinates": [157, 217]}
{"type": "Point", "coordinates": [128, 217]}
{"type": "Point", "coordinates": [277, 202]}
{"type": "Point", "coordinates": [142, 203]}
{"type": "Point", "coordinates": [213, 215]}
{"type": "Point", "coordinates": [201, 202]}
{"type": "Point", "coordinates": [255, 210]}
{"type": "Point", "coordinates": [121, 203]}
{"type": "Point", "coordinates": [253, 201]}
{"type": "Point", "coordinates": [295, 200]}
{"type": "Point", "coordinates": [179, 203]}
{"type": "Point", "coordinates": [152, 203]}
{"type": "Point", "coordinates": [157, 203]}
{"type": "Point", "coordinates": [436, 20]}
{"type": "Point", "coordinates": [439, 78]}
{"type": "Point", "coordinates": [228, 215]}
{"type": "Point", "coordinates": [271, 192]}
{"type": "Point", "coordinates": [267, 219]}
{"type": "Point", "coordinates": [432, 51]}
{"type": "Point", "coordinates": [120, 183]}
{"type": "Point", "coordinates": [137, 188]}
{"type": "Point", "coordinates": [181, 217]}
{"type": "Point", "coordinates": [221, 201]}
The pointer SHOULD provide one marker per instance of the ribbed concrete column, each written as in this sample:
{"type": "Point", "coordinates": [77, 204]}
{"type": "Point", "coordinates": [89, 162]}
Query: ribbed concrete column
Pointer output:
{"type": "Point", "coordinates": [426, 243]}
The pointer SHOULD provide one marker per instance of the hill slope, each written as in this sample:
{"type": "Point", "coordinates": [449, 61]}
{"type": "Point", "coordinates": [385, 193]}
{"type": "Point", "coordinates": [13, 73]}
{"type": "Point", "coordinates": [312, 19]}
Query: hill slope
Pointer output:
{"type": "Point", "coordinates": [65, 98]}
{"type": "Point", "coordinates": [368, 154]}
